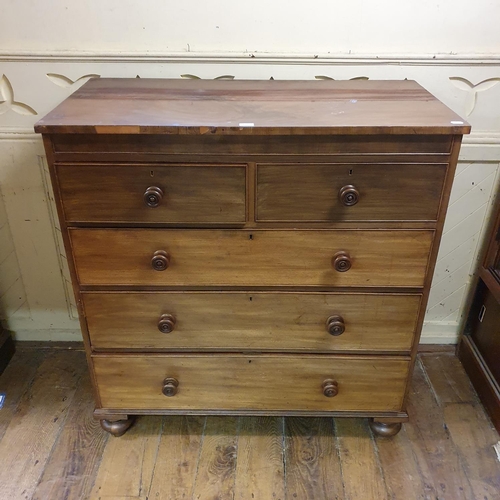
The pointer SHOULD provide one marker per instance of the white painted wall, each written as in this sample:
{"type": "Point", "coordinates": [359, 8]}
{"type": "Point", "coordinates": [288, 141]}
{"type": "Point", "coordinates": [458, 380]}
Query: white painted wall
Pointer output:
{"type": "Point", "coordinates": [48, 49]}
{"type": "Point", "coordinates": [281, 26]}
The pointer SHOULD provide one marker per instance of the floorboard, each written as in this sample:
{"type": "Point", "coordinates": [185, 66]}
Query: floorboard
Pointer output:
{"type": "Point", "coordinates": [312, 461]}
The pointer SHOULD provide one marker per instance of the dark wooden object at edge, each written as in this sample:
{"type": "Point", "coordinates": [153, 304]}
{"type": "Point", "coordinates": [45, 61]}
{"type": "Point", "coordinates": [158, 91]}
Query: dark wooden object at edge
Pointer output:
{"type": "Point", "coordinates": [7, 348]}
{"type": "Point", "coordinates": [479, 348]}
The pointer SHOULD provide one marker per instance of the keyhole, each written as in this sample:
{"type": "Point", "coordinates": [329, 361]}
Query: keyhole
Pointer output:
{"type": "Point", "coordinates": [251, 298]}
{"type": "Point", "coordinates": [250, 237]}
{"type": "Point", "coordinates": [350, 172]}
{"type": "Point", "coordinates": [152, 173]}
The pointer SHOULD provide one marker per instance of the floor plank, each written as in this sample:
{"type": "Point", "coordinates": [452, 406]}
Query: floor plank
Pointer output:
{"type": "Point", "coordinates": [215, 477]}
{"type": "Point", "coordinates": [361, 471]}
{"type": "Point", "coordinates": [178, 456]}
{"type": "Point", "coordinates": [15, 381]}
{"type": "Point", "coordinates": [259, 464]}
{"type": "Point", "coordinates": [448, 379]}
{"type": "Point", "coordinates": [35, 426]}
{"type": "Point", "coordinates": [312, 464]}
{"type": "Point", "coordinates": [474, 437]}
{"type": "Point", "coordinates": [432, 443]}
{"type": "Point", "coordinates": [72, 466]}
{"type": "Point", "coordinates": [403, 477]}
{"type": "Point", "coordinates": [127, 465]}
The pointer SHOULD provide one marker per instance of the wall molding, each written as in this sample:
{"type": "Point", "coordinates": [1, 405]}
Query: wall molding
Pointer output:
{"type": "Point", "coordinates": [473, 59]}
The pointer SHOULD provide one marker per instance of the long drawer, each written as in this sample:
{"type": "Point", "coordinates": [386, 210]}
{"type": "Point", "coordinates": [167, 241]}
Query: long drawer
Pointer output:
{"type": "Point", "coordinates": [260, 382]}
{"type": "Point", "coordinates": [349, 192]}
{"type": "Point", "coordinates": [251, 258]}
{"type": "Point", "coordinates": [153, 193]}
{"type": "Point", "coordinates": [252, 321]}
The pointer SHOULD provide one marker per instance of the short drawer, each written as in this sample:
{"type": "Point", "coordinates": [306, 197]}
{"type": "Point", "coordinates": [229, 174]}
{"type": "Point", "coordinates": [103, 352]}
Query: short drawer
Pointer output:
{"type": "Point", "coordinates": [153, 193]}
{"type": "Point", "coordinates": [350, 192]}
{"type": "Point", "coordinates": [224, 321]}
{"type": "Point", "coordinates": [174, 257]}
{"type": "Point", "coordinates": [259, 382]}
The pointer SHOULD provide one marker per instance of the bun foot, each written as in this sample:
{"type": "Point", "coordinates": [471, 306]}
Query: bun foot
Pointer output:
{"type": "Point", "coordinates": [384, 429]}
{"type": "Point", "coordinates": [117, 428]}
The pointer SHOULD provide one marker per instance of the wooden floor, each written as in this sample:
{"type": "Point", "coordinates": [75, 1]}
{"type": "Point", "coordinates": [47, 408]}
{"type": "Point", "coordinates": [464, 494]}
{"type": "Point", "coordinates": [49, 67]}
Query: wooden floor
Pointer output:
{"type": "Point", "coordinates": [50, 448]}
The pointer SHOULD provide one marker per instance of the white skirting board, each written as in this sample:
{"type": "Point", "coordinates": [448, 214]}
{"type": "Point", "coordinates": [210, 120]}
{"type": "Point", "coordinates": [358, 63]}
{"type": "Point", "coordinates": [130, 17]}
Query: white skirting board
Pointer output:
{"type": "Point", "coordinates": [446, 332]}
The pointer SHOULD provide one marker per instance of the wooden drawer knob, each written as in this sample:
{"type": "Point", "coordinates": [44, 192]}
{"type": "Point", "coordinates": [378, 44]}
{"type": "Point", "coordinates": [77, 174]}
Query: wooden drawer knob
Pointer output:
{"type": "Point", "coordinates": [153, 196]}
{"type": "Point", "coordinates": [160, 260]}
{"type": "Point", "coordinates": [349, 195]}
{"type": "Point", "coordinates": [330, 388]}
{"type": "Point", "coordinates": [335, 325]}
{"type": "Point", "coordinates": [341, 262]}
{"type": "Point", "coordinates": [170, 386]}
{"type": "Point", "coordinates": [166, 323]}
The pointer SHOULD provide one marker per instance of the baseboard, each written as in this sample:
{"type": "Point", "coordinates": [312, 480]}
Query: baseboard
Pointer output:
{"type": "Point", "coordinates": [30, 344]}
{"type": "Point", "coordinates": [440, 333]}
{"type": "Point", "coordinates": [48, 335]}
{"type": "Point", "coordinates": [437, 348]}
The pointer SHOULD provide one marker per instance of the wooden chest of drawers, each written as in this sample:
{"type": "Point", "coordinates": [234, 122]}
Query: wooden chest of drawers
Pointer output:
{"type": "Point", "coordinates": [251, 247]}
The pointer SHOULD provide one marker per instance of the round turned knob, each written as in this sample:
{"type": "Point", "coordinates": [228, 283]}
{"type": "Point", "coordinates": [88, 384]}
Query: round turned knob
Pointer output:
{"type": "Point", "coordinates": [349, 195]}
{"type": "Point", "coordinates": [170, 386]}
{"type": "Point", "coordinates": [341, 262]}
{"type": "Point", "coordinates": [166, 323]}
{"type": "Point", "coordinates": [153, 196]}
{"type": "Point", "coordinates": [160, 260]}
{"type": "Point", "coordinates": [335, 325]}
{"type": "Point", "coordinates": [330, 388]}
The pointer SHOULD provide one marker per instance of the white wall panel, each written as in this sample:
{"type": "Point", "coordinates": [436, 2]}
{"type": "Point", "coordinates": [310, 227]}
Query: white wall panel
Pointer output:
{"type": "Point", "coordinates": [280, 26]}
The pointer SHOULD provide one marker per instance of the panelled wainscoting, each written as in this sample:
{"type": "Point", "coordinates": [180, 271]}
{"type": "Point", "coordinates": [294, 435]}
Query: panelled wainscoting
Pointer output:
{"type": "Point", "coordinates": [36, 300]}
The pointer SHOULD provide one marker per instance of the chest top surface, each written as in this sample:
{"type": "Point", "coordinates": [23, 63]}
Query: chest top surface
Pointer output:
{"type": "Point", "coordinates": [251, 107]}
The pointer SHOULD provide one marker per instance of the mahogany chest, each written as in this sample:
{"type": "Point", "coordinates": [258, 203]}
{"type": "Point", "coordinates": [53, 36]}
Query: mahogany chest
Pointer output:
{"type": "Point", "coordinates": [251, 247]}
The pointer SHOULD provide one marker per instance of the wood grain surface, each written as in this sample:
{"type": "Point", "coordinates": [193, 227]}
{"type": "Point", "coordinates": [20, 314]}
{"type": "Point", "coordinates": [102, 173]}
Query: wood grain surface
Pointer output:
{"type": "Point", "coordinates": [267, 382]}
{"type": "Point", "coordinates": [217, 463]}
{"type": "Point", "coordinates": [128, 463]}
{"type": "Point", "coordinates": [178, 455]}
{"type": "Point", "coordinates": [255, 321]}
{"type": "Point", "coordinates": [260, 467]}
{"type": "Point", "coordinates": [313, 466]}
{"type": "Point", "coordinates": [76, 456]}
{"type": "Point", "coordinates": [358, 454]}
{"type": "Point", "coordinates": [110, 105]}
{"type": "Point", "coordinates": [214, 148]}
{"type": "Point", "coordinates": [29, 438]}
{"type": "Point", "coordinates": [310, 192]}
{"type": "Point", "coordinates": [251, 258]}
{"type": "Point", "coordinates": [114, 193]}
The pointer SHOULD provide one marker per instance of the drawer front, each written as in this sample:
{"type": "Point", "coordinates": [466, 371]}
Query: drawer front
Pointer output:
{"type": "Point", "coordinates": [260, 382]}
{"type": "Point", "coordinates": [326, 192]}
{"type": "Point", "coordinates": [251, 258]}
{"type": "Point", "coordinates": [115, 193]}
{"type": "Point", "coordinates": [254, 321]}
